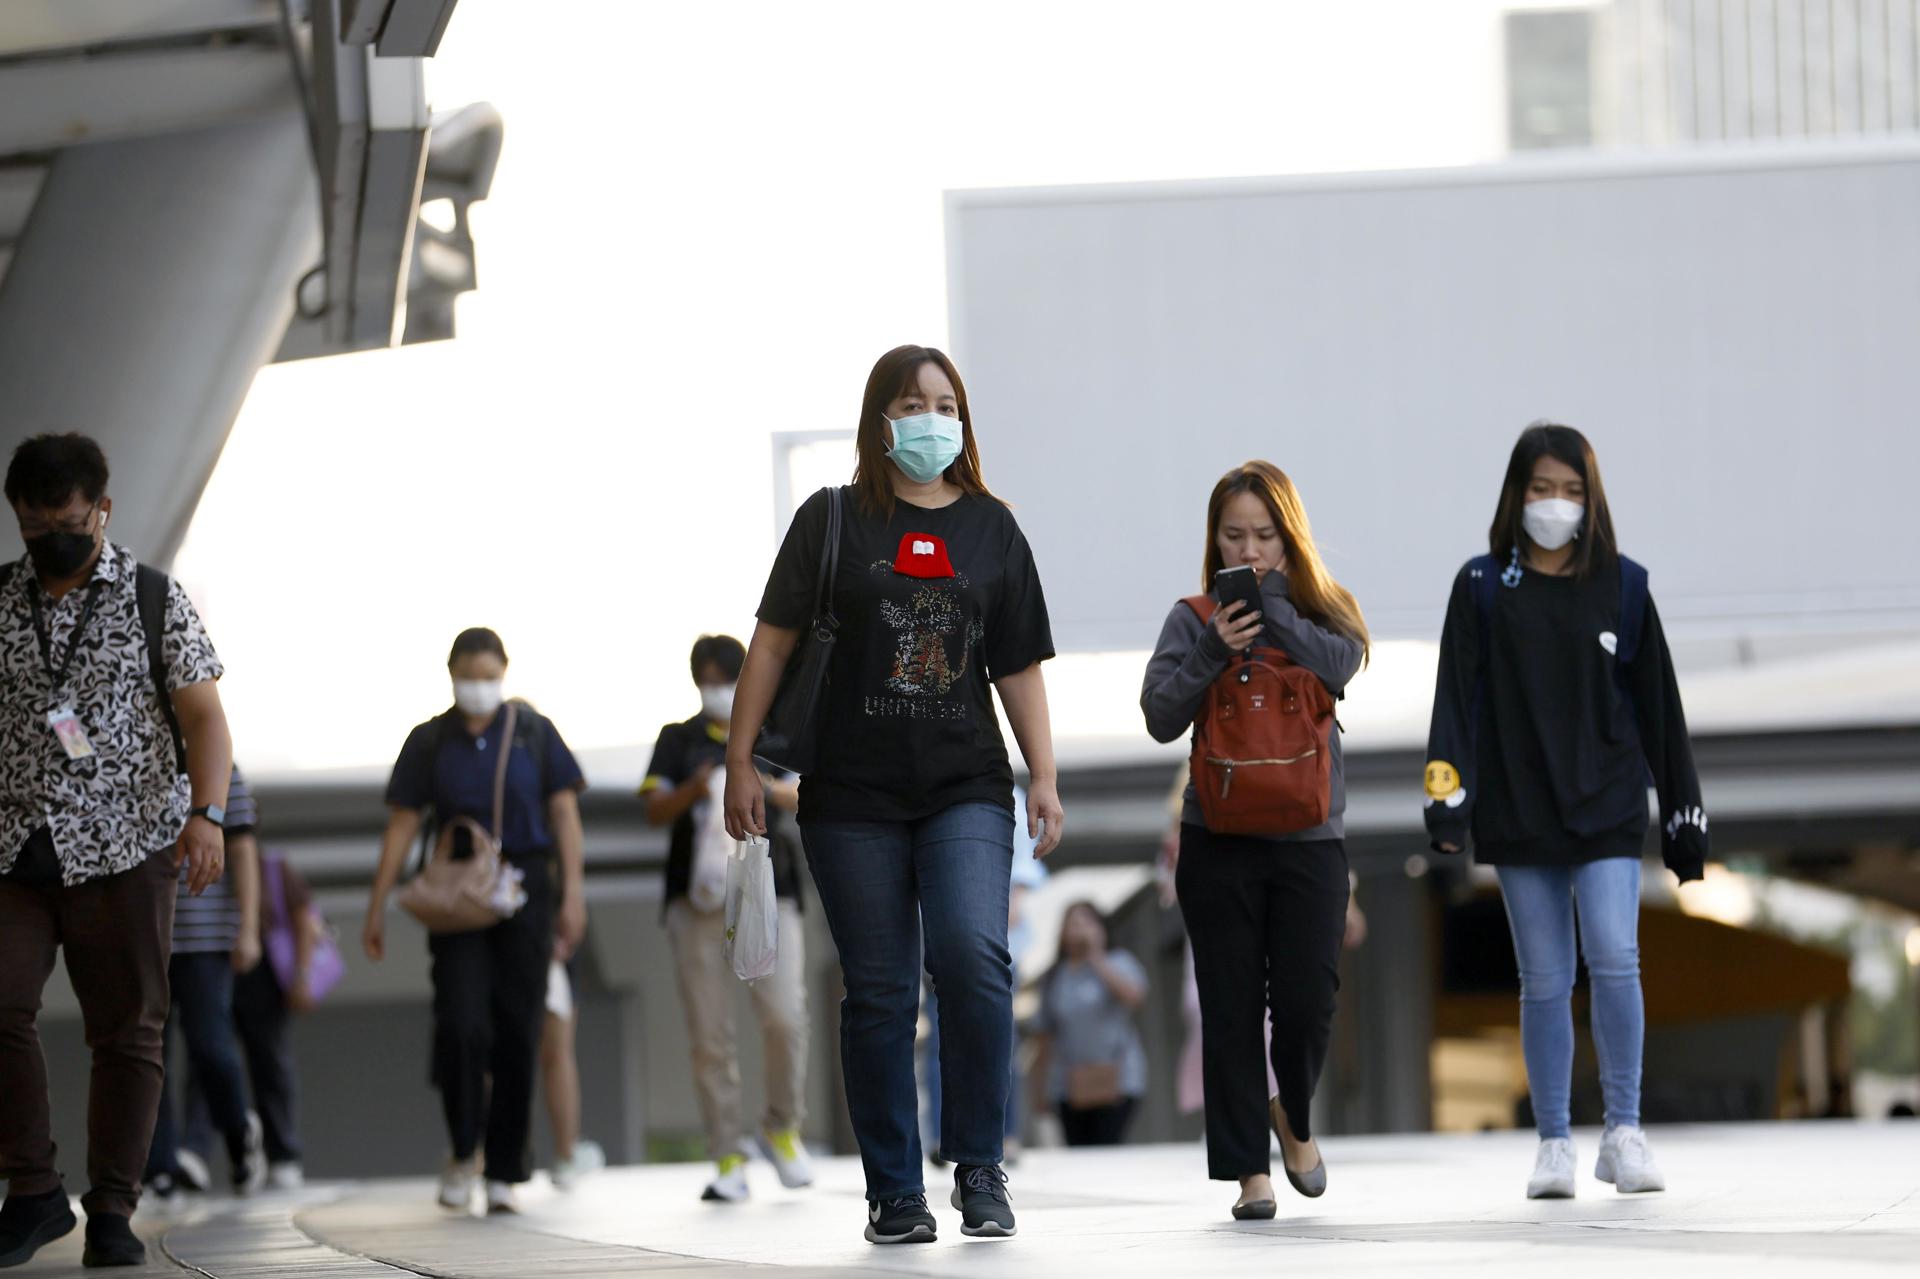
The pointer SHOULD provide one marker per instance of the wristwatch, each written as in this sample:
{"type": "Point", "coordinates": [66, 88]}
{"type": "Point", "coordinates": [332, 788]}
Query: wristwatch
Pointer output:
{"type": "Point", "coordinates": [212, 812]}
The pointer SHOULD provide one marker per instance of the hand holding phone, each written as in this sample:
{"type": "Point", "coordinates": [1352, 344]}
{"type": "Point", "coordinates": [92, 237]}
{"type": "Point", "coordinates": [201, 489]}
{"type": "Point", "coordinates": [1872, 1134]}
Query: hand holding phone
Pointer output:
{"type": "Point", "coordinates": [1239, 627]}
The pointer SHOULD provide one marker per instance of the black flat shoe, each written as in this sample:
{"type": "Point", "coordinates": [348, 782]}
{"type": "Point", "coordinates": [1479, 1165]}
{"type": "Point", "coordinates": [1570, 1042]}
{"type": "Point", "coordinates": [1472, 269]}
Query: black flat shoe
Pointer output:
{"type": "Point", "coordinates": [111, 1242]}
{"type": "Point", "coordinates": [29, 1223]}
{"type": "Point", "coordinates": [1255, 1210]}
{"type": "Point", "coordinates": [1311, 1183]}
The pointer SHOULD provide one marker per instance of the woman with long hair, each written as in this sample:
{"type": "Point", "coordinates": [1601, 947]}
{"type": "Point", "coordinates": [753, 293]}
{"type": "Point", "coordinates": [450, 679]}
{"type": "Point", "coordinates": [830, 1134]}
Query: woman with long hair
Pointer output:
{"type": "Point", "coordinates": [1556, 698]}
{"type": "Point", "coordinates": [1264, 903]}
{"type": "Point", "coordinates": [907, 812]}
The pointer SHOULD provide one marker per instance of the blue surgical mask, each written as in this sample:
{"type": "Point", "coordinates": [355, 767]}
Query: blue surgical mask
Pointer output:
{"type": "Point", "coordinates": [925, 445]}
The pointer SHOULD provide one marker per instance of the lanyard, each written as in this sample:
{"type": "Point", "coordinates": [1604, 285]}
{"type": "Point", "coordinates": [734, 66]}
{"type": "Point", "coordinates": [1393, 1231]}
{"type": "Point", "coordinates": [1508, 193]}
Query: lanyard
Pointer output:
{"type": "Point", "coordinates": [41, 633]}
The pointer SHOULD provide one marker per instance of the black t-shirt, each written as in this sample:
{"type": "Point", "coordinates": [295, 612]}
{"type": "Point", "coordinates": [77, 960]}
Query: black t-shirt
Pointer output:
{"type": "Point", "coordinates": [681, 749]}
{"type": "Point", "coordinates": [933, 604]}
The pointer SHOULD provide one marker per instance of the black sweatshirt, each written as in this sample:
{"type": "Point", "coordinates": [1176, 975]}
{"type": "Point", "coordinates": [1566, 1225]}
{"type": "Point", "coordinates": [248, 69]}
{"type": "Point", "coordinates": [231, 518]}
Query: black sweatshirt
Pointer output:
{"type": "Point", "coordinates": [1191, 656]}
{"type": "Point", "coordinates": [1544, 753]}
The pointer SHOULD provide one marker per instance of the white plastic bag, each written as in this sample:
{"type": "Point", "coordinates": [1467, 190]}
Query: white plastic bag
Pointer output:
{"type": "Point", "coordinates": [753, 915]}
{"type": "Point", "coordinates": [712, 846]}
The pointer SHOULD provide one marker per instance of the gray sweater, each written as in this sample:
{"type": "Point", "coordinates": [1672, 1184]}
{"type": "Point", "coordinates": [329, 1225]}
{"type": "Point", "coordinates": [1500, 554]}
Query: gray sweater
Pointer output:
{"type": "Point", "coordinates": [1191, 655]}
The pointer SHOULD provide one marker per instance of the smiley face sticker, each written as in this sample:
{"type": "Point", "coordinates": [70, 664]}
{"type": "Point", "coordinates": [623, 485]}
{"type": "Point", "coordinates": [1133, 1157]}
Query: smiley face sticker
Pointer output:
{"type": "Point", "coordinates": [1443, 784]}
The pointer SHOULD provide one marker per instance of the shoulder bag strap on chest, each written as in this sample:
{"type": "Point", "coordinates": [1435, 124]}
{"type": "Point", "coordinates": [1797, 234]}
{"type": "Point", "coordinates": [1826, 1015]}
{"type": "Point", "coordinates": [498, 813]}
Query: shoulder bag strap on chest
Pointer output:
{"type": "Point", "coordinates": [500, 774]}
{"type": "Point", "coordinates": [829, 560]}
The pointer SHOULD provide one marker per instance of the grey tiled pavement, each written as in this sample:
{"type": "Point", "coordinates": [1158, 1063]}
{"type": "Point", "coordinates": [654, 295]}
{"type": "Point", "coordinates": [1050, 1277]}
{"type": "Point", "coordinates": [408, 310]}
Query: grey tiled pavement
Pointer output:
{"type": "Point", "coordinates": [1811, 1200]}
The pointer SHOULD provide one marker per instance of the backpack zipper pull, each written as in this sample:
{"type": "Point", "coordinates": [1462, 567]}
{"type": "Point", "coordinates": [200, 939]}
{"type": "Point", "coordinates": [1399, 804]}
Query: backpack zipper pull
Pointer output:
{"type": "Point", "coordinates": [1226, 783]}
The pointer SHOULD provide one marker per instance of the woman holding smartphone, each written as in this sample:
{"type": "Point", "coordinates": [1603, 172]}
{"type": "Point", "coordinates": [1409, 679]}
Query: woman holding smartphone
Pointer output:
{"type": "Point", "coordinates": [907, 814]}
{"type": "Point", "coordinates": [1265, 912]}
{"type": "Point", "coordinates": [1556, 698]}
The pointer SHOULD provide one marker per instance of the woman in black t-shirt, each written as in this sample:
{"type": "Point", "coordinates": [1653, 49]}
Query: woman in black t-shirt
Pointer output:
{"type": "Point", "coordinates": [1556, 698]}
{"type": "Point", "coordinates": [907, 815]}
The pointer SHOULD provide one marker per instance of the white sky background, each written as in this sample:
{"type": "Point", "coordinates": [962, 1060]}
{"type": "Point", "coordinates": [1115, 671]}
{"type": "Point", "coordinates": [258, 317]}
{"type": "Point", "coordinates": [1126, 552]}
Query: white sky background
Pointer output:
{"type": "Point", "coordinates": [707, 223]}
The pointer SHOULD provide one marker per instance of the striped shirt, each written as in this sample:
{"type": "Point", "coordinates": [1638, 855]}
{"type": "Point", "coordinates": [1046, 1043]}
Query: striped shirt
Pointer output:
{"type": "Point", "coordinates": [211, 921]}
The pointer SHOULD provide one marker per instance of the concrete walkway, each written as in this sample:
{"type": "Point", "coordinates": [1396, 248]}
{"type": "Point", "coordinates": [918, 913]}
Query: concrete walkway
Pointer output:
{"type": "Point", "coordinates": [1818, 1199]}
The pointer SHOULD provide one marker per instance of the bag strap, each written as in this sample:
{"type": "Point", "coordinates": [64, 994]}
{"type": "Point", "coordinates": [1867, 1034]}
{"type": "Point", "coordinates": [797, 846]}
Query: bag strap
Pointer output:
{"type": "Point", "coordinates": [1633, 610]}
{"type": "Point", "coordinates": [1203, 605]}
{"type": "Point", "coordinates": [500, 773]}
{"type": "Point", "coordinates": [150, 590]}
{"type": "Point", "coordinates": [829, 561]}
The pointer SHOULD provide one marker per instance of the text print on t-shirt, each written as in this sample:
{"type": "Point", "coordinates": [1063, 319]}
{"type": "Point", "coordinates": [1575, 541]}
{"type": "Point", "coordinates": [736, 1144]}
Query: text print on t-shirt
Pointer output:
{"type": "Point", "coordinates": [926, 623]}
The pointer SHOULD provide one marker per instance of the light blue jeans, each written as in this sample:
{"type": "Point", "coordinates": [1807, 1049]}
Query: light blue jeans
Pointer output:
{"type": "Point", "coordinates": [1541, 904]}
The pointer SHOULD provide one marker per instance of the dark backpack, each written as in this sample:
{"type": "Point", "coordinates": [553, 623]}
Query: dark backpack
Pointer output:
{"type": "Point", "coordinates": [1484, 571]}
{"type": "Point", "coordinates": [1262, 744]}
{"type": "Point", "coordinates": [150, 587]}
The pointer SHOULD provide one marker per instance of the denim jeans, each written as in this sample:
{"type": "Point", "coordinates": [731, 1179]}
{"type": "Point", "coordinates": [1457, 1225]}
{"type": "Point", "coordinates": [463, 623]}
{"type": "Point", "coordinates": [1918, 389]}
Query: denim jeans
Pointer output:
{"type": "Point", "coordinates": [1541, 903]}
{"type": "Point", "coordinates": [202, 986]}
{"type": "Point", "coordinates": [882, 885]}
{"type": "Point", "coordinates": [930, 1084]}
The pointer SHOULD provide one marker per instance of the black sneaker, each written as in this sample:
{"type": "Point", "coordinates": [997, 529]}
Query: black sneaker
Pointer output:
{"type": "Point", "coordinates": [904, 1220]}
{"type": "Point", "coordinates": [111, 1242]}
{"type": "Point", "coordinates": [980, 1193]}
{"type": "Point", "coordinates": [29, 1223]}
{"type": "Point", "coordinates": [250, 1170]}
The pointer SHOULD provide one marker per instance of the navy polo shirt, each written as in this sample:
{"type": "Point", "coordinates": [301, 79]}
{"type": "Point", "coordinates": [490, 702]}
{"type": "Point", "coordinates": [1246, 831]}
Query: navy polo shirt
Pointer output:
{"type": "Point", "coordinates": [446, 768]}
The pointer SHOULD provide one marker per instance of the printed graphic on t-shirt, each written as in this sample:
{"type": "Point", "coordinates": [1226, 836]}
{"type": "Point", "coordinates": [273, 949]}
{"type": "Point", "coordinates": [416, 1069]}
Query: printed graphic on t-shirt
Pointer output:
{"type": "Point", "coordinates": [933, 645]}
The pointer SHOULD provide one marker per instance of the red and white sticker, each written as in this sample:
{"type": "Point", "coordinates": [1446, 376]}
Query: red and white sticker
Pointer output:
{"type": "Point", "coordinates": [923, 555]}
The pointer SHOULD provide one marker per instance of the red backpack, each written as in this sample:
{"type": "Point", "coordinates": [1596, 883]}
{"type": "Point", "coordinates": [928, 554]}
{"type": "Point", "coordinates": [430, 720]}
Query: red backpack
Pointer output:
{"type": "Point", "coordinates": [1262, 744]}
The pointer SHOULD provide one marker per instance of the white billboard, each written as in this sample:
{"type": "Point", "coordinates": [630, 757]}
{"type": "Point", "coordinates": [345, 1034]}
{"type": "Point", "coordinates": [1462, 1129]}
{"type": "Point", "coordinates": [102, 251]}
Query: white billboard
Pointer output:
{"type": "Point", "coordinates": [1737, 331]}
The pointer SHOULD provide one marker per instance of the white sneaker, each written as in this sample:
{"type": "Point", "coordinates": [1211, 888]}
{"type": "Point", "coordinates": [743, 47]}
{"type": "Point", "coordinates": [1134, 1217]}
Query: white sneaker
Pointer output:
{"type": "Point", "coordinates": [1553, 1170]}
{"type": "Point", "coordinates": [788, 1156]}
{"type": "Point", "coordinates": [251, 1173]}
{"type": "Point", "coordinates": [500, 1197]}
{"type": "Point", "coordinates": [587, 1159]}
{"type": "Point", "coordinates": [194, 1174]}
{"type": "Point", "coordinates": [1627, 1163]}
{"type": "Point", "coordinates": [730, 1186]}
{"type": "Point", "coordinates": [286, 1176]}
{"type": "Point", "coordinates": [457, 1184]}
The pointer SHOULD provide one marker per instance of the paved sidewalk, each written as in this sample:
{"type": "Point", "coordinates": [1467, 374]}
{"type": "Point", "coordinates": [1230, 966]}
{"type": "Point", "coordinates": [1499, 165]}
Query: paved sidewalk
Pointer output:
{"type": "Point", "coordinates": [1815, 1200]}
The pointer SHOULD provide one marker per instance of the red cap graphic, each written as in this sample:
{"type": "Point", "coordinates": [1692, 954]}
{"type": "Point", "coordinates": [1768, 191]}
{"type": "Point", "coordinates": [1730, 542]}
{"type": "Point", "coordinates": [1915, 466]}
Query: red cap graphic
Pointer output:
{"type": "Point", "coordinates": [923, 555]}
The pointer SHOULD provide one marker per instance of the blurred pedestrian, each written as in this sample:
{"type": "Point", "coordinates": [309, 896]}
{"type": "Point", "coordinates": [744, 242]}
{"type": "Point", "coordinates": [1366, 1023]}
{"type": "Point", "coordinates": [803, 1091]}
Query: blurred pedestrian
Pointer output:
{"type": "Point", "coordinates": [1265, 903]}
{"type": "Point", "coordinates": [1555, 699]}
{"type": "Point", "coordinates": [1096, 1065]}
{"type": "Point", "coordinates": [216, 935]}
{"type": "Point", "coordinates": [116, 760]}
{"type": "Point", "coordinates": [574, 1157]}
{"type": "Point", "coordinates": [907, 813]}
{"type": "Point", "coordinates": [503, 766]}
{"type": "Point", "coordinates": [683, 789]}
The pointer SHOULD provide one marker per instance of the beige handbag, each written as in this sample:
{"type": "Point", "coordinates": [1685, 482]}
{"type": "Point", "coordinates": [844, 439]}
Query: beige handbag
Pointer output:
{"type": "Point", "coordinates": [450, 896]}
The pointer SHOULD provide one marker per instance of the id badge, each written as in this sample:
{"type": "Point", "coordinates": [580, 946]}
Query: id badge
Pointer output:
{"type": "Point", "coordinates": [73, 738]}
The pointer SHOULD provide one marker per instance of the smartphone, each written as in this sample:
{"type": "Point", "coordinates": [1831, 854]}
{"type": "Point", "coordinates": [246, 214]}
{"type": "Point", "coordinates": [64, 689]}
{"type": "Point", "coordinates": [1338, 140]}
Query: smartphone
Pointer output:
{"type": "Point", "coordinates": [1231, 584]}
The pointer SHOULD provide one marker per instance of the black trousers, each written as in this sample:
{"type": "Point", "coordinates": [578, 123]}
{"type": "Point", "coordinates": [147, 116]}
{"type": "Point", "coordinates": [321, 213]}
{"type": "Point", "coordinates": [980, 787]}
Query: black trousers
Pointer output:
{"type": "Point", "coordinates": [1096, 1125]}
{"type": "Point", "coordinates": [1266, 921]}
{"type": "Point", "coordinates": [489, 997]}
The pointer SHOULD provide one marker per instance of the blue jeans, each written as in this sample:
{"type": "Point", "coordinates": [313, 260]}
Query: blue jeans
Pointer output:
{"type": "Point", "coordinates": [930, 1078]}
{"type": "Point", "coordinates": [202, 988]}
{"type": "Point", "coordinates": [1541, 902]}
{"type": "Point", "coordinates": [882, 884]}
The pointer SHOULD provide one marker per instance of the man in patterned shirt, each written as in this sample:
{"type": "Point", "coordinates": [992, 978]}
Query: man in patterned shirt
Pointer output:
{"type": "Point", "coordinates": [97, 814]}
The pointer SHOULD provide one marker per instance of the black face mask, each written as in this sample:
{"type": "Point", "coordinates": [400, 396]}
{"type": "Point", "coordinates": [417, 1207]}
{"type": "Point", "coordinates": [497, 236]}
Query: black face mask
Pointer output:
{"type": "Point", "coordinates": [58, 555]}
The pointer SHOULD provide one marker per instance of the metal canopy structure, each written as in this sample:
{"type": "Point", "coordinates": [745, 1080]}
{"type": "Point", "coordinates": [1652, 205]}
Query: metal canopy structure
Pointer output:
{"type": "Point", "coordinates": [172, 177]}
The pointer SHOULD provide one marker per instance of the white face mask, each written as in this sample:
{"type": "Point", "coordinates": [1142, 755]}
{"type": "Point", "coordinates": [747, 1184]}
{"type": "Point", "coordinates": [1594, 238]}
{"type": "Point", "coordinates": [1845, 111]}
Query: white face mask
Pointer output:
{"type": "Point", "coordinates": [717, 701]}
{"type": "Point", "coordinates": [478, 696]}
{"type": "Point", "coordinates": [1552, 522]}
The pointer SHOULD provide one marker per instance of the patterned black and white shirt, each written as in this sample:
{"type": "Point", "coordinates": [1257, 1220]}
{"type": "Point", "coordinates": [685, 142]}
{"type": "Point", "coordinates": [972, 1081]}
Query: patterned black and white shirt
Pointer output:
{"type": "Point", "coordinates": [108, 812]}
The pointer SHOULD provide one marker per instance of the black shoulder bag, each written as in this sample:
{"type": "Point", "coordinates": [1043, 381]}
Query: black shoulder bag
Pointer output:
{"type": "Point", "coordinates": [790, 737]}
